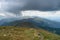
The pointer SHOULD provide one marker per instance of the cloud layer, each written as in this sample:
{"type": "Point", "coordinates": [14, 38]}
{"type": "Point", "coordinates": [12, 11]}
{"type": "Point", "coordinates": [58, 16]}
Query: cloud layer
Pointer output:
{"type": "Point", "coordinates": [15, 6]}
{"type": "Point", "coordinates": [48, 15]}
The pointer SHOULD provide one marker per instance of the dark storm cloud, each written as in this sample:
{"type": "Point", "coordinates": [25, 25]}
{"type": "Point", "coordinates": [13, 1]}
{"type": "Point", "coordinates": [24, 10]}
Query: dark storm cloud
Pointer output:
{"type": "Point", "coordinates": [15, 6]}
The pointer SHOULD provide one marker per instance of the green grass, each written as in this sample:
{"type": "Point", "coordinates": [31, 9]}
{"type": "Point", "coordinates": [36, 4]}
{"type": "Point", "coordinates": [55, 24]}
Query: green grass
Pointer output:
{"type": "Point", "coordinates": [23, 33]}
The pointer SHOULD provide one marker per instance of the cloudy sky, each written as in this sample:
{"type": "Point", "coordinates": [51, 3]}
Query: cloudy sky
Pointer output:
{"type": "Point", "coordinates": [49, 9]}
{"type": "Point", "coordinates": [53, 15]}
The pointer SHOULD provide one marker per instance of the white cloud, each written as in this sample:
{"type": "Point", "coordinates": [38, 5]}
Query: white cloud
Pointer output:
{"type": "Point", "coordinates": [7, 14]}
{"type": "Point", "coordinates": [37, 13]}
{"type": "Point", "coordinates": [2, 14]}
{"type": "Point", "coordinates": [48, 15]}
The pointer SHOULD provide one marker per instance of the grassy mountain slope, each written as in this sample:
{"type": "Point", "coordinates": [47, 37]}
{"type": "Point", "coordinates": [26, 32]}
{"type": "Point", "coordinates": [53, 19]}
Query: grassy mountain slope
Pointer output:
{"type": "Point", "coordinates": [36, 22]}
{"type": "Point", "coordinates": [25, 33]}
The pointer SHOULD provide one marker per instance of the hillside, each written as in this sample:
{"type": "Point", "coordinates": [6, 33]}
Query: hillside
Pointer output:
{"type": "Point", "coordinates": [25, 33]}
{"type": "Point", "coordinates": [36, 22]}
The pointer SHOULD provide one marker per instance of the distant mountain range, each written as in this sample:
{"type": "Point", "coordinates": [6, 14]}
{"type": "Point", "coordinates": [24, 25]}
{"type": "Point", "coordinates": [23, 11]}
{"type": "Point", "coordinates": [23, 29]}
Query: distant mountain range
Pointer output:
{"type": "Point", "coordinates": [35, 22]}
{"type": "Point", "coordinates": [6, 20]}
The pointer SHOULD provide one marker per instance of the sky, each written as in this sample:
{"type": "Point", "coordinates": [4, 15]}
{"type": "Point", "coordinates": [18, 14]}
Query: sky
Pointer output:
{"type": "Point", "coordinates": [53, 15]}
{"type": "Point", "coordinates": [15, 6]}
{"type": "Point", "coordinates": [49, 9]}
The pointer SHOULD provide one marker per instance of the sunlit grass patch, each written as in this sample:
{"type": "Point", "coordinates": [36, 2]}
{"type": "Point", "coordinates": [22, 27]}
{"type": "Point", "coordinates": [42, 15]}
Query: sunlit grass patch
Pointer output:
{"type": "Point", "coordinates": [24, 33]}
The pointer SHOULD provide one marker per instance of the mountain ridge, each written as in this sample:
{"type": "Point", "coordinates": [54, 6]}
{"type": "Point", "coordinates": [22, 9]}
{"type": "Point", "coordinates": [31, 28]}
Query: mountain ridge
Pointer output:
{"type": "Point", "coordinates": [36, 23]}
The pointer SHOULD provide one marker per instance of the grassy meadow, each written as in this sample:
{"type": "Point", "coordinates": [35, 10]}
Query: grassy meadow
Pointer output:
{"type": "Point", "coordinates": [24, 33]}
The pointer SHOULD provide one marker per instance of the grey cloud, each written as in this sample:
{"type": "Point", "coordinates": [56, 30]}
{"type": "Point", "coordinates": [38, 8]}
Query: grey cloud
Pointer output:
{"type": "Point", "coordinates": [15, 6]}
